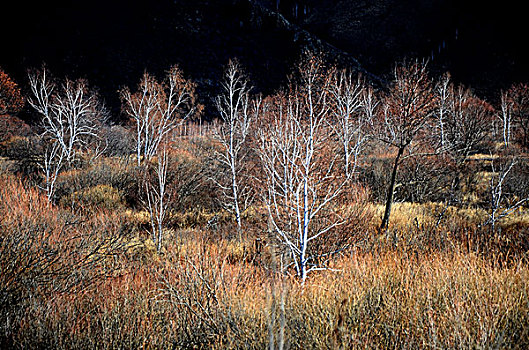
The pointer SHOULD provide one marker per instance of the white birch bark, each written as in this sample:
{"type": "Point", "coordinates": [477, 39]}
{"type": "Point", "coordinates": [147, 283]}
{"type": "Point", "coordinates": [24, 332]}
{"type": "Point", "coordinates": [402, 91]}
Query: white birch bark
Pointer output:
{"type": "Point", "coordinates": [157, 196]}
{"type": "Point", "coordinates": [236, 115]}
{"type": "Point", "coordinates": [157, 109]}
{"type": "Point", "coordinates": [303, 176]}
{"type": "Point", "coordinates": [70, 116]}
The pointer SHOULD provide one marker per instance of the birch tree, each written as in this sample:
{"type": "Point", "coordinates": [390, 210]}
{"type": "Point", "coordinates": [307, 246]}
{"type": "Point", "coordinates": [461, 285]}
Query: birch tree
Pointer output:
{"type": "Point", "coordinates": [353, 107]}
{"type": "Point", "coordinates": [502, 203]}
{"type": "Point", "coordinates": [506, 119]}
{"type": "Point", "coordinates": [157, 108]}
{"type": "Point", "coordinates": [303, 177]}
{"type": "Point", "coordinates": [515, 113]}
{"type": "Point", "coordinates": [236, 114]}
{"type": "Point", "coordinates": [71, 114]}
{"type": "Point", "coordinates": [51, 165]}
{"type": "Point", "coordinates": [157, 196]}
{"type": "Point", "coordinates": [444, 93]}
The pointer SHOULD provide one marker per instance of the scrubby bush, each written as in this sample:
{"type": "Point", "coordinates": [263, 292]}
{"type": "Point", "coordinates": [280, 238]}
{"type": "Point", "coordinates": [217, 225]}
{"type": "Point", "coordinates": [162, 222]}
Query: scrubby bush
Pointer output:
{"type": "Point", "coordinates": [189, 177]}
{"type": "Point", "coordinates": [94, 198]}
{"type": "Point", "coordinates": [25, 153]}
{"type": "Point", "coordinates": [46, 252]}
{"type": "Point", "coordinates": [112, 172]}
{"type": "Point", "coordinates": [118, 141]}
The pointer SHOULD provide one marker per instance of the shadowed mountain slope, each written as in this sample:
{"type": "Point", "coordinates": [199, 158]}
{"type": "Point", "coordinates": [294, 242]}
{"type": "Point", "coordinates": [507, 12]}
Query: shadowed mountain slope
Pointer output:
{"type": "Point", "coordinates": [112, 42]}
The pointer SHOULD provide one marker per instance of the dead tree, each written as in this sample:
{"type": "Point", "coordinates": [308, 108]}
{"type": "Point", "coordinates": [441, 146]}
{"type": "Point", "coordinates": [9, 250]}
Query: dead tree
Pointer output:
{"type": "Point", "coordinates": [158, 108]}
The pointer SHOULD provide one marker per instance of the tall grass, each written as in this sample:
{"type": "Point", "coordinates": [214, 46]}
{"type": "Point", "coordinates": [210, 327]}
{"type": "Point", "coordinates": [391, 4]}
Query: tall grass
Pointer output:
{"type": "Point", "coordinates": [197, 295]}
{"type": "Point", "coordinates": [73, 280]}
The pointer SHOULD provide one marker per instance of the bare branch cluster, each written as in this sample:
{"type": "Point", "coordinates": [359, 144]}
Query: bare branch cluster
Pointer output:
{"type": "Point", "coordinates": [157, 108]}
{"type": "Point", "coordinates": [71, 115]}
{"type": "Point", "coordinates": [237, 113]}
{"type": "Point", "coordinates": [464, 120]}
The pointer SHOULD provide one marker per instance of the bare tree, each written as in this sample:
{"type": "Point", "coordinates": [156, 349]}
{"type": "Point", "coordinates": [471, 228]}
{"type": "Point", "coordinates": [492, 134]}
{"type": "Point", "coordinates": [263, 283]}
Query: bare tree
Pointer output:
{"type": "Point", "coordinates": [406, 111]}
{"type": "Point", "coordinates": [506, 119]}
{"type": "Point", "coordinates": [51, 166]}
{"type": "Point", "coordinates": [303, 176]}
{"type": "Point", "coordinates": [236, 113]}
{"type": "Point", "coordinates": [468, 121]}
{"type": "Point", "coordinates": [142, 107]}
{"type": "Point", "coordinates": [353, 106]}
{"type": "Point", "coordinates": [501, 205]}
{"type": "Point", "coordinates": [158, 108]}
{"type": "Point", "coordinates": [71, 115]}
{"type": "Point", "coordinates": [444, 92]}
{"type": "Point", "coordinates": [515, 106]}
{"type": "Point", "coordinates": [157, 196]}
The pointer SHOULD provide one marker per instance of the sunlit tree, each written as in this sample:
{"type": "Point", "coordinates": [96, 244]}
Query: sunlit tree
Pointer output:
{"type": "Point", "coordinates": [304, 181]}
{"type": "Point", "coordinates": [236, 112]}
{"type": "Point", "coordinates": [157, 108]}
{"type": "Point", "coordinates": [406, 112]}
{"type": "Point", "coordinates": [71, 114]}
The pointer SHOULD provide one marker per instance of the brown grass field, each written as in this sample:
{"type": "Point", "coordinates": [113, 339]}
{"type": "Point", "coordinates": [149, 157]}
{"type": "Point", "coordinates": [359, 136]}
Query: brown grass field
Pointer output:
{"type": "Point", "coordinates": [206, 290]}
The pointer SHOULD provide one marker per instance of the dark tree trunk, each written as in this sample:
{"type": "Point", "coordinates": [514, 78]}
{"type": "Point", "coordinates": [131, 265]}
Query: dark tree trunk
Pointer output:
{"type": "Point", "coordinates": [391, 192]}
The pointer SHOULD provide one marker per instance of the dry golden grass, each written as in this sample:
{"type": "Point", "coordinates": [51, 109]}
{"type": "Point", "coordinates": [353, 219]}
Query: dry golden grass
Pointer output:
{"type": "Point", "coordinates": [485, 157]}
{"type": "Point", "coordinates": [205, 293]}
{"type": "Point", "coordinates": [206, 289]}
{"type": "Point", "coordinates": [387, 301]}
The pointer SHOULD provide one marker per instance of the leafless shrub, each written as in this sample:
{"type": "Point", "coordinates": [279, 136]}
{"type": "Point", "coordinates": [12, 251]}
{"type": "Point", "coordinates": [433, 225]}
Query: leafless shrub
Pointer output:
{"type": "Point", "coordinates": [46, 252]}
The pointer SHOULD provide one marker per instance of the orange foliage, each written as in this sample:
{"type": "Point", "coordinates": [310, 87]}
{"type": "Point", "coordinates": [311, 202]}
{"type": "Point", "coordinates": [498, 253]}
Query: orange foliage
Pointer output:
{"type": "Point", "coordinates": [11, 100]}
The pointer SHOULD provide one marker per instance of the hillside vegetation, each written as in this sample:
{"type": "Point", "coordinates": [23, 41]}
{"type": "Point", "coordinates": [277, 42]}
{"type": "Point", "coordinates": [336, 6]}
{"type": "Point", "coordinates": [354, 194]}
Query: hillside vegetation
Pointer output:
{"type": "Point", "coordinates": [331, 213]}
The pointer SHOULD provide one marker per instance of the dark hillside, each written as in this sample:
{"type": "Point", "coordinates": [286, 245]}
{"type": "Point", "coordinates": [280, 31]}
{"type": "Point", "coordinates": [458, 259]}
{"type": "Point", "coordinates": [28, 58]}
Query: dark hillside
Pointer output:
{"type": "Point", "coordinates": [112, 42]}
{"type": "Point", "coordinates": [481, 43]}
